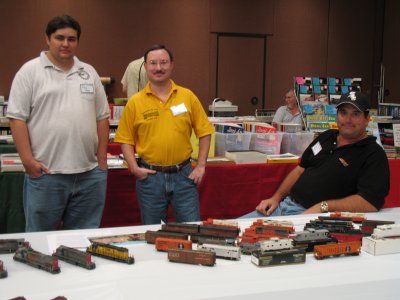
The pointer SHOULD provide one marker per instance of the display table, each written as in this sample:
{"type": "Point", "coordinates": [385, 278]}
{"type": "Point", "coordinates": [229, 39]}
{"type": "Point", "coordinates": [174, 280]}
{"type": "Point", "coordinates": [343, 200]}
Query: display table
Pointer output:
{"type": "Point", "coordinates": [152, 276]}
{"type": "Point", "coordinates": [227, 191]}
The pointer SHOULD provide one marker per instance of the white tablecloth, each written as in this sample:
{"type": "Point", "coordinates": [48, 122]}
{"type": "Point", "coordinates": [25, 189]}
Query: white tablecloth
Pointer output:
{"type": "Point", "coordinates": [154, 277]}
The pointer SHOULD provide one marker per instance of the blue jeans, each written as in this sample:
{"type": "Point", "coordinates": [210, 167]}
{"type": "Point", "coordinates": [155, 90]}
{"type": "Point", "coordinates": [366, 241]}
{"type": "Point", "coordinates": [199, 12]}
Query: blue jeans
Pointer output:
{"type": "Point", "coordinates": [285, 208]}
{"type": "Point", "coordinates": [71, 201]}
{"type": "Point", "coordinates": [156, 191]}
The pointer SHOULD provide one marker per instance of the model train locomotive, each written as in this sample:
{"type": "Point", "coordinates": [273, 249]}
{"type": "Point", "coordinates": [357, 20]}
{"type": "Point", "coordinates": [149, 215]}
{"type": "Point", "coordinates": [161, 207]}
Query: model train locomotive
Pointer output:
{"type": "Point", "coordinates": [36, 259]}
{"type": "Point", "coordinates": [3, 271]}
{"type": "Point", "coordinates": [384, 231]}
{"type": "Point", "coordinates": [75, 257]}
{"type": "Point", "coordinates": [11, 245]}
{"type": "Point", "coordinates": [112, 252]}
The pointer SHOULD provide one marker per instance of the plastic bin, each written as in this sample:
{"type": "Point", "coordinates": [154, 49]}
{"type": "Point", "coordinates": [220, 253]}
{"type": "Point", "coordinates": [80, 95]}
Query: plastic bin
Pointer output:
{"type": "Point", "coordinates": [231, 142]}
{"type": "Point", "coordinates": [269, 143]}
{"type": "Point", "coordinates": [296, 142]}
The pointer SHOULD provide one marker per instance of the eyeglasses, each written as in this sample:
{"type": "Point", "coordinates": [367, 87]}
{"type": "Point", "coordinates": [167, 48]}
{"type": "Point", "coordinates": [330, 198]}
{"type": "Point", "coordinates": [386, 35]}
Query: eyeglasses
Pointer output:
{"type": "Point", "coordinates": [162, 63]}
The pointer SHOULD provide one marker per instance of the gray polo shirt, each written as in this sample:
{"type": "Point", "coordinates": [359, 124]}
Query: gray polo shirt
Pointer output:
{"type": "Point", "coordinates": [61, 111]}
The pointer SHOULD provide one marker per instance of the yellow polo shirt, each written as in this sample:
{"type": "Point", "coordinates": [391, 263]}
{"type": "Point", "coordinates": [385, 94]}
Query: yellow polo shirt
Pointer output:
{"type": "Point", "coordinates": [160, 130]}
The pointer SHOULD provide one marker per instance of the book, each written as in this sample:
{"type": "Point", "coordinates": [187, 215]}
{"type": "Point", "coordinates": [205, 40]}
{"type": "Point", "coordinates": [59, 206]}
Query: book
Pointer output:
{"type": "Point", "coordinates": [282, 158]}
{"type": "Point", "coordinates": [246, 157]}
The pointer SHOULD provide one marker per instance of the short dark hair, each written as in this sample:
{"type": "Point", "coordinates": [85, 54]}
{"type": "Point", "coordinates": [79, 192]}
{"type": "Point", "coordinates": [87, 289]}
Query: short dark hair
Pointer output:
{"type": "Point", "coordinates": [63, 21]}
{"type": "Point", "coordinates": [158, 47]}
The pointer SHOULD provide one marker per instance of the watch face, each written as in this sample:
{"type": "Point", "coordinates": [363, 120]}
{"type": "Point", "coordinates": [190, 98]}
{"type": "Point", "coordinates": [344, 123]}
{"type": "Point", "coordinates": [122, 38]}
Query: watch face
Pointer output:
{"type": "Point", "coordinates": [324, 206]}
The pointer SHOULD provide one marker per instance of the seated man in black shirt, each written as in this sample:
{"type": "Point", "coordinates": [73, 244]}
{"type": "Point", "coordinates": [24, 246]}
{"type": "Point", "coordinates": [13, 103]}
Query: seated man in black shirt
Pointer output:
{"type": "Point", "coordinates": [341, 170]}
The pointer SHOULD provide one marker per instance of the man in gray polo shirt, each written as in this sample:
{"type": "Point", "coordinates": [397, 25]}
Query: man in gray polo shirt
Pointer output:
{"type": "Point", "coordinates": [58, 114]}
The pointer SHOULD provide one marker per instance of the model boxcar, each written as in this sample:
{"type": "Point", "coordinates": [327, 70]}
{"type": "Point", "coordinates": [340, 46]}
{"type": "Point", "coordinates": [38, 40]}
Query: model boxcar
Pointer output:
{"type": "Point", "coordinates": [3, 271]}
{"type": "Point", "coordinates": [163, 244]}
{"type": "Point", "coordinates": [10, 245]}
{"type": "Point", "coordinates": [75, 257]}
{"type": "Point", "coordinates": [195, 257]}
{"type": "Point", "coordinates": [36, 259]}
{"type": "Point", "coordinates": [349, 248]}
{"type": "Point", "coordinates": [150, 236]}
{"type": "Point", "coordinates": [222, 251]}
{"type": "Point", "coordinates": [112, 252]}
{"type": "Point", "coordinates": [355, 235]}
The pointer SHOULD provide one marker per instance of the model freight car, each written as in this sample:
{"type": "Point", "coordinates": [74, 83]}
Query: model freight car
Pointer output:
{"type": "Point", "coordinates": [150, 236]}
{"type": "Point", "coordinates": [180, 227]}
{"type": "Point", "coordinates": [356, 217]}
{"type": "Point", "coordinates": [330, 225]}
{"type": "Point", "coordinates": [384, 231]}
{"type": "Point", "coordinates": [163, 244]}
{"type": "Point", "coordinates": [75, 257]}
{"type": "Point", "coordinates": [278, 257]}
{"type": "Point", "coordinates": [216, 240]}
{"type": "Point", "coordinates": [349, 248]}
{"type": "Point", "coordinates": [120, 254]}
{"type": "Point", "coordinates": [222, 251]}
{"type": "Point", "coordinates": [10, 245]}
{"type": "Point", "coordinates": [36, 259]}
{"type": "Point", "coordinates": [219, 230]}
{"type": "Point", "coordinates": [3, 271]}
{"type": "Point", "coordinates": [275, 244]}
{"type": "Point", "coordinates": [368, 226]}
{"type": "Point", "coordinates": [355, 235]}
{"type": "Point", "coordinates": [195, 257]}
{"type": "Point", "coordinates": [217, 222]}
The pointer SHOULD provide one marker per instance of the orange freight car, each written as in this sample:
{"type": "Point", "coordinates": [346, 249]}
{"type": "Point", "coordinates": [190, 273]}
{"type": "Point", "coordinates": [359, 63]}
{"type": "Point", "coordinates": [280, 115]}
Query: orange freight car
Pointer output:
{"type": "Point", "coordinates": [163, 244]}
{"type": "Point", "coordinates": [327, 250]}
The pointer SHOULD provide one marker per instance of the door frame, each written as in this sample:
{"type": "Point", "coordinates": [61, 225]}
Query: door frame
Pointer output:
{"type": "Point", "coordinates": [245, 35]}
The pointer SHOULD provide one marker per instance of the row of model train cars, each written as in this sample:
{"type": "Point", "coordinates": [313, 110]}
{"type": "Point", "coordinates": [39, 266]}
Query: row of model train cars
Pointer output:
{"type": "Point", "coordinates": [269, 242]}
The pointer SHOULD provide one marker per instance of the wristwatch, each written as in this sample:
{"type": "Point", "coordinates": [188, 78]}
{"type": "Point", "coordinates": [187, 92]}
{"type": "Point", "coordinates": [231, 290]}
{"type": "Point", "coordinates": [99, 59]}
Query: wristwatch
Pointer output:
{"type": "Point", "coordinates": [324, 206]}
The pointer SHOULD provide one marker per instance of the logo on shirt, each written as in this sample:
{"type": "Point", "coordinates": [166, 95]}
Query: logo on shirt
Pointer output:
{"type": "Point", "coordinates": [84, 75]}
{"type": "Point", "coordinates": [344, 163]}
{"type": "Point", "coordinates": [151, 114]}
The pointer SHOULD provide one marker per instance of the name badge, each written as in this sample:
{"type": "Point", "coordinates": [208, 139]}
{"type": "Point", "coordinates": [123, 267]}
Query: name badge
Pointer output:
{"type": "Point", "coordinates": [178, 109]}
{"type": "Point", "coordinates": [87, 88]}
{"type": "Point", "coordinates": [316, 148]}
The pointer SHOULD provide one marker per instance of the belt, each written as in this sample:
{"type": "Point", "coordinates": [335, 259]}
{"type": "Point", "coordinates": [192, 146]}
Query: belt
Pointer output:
{"type": "Point", "coordinates": [165, 169]}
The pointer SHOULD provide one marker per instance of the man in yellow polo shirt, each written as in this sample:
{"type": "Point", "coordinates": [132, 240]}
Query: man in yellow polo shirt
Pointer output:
{"type": "Point", "coordinates": [157, 123]}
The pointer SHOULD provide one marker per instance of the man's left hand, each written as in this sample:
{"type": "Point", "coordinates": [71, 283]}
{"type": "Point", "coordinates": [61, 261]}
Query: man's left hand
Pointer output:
{"type": "Point", "coordinates": [197, 174]}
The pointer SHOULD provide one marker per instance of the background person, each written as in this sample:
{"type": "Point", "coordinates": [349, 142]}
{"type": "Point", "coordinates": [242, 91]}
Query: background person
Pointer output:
{"type": "Point", "coordinates": [158, 123]}
{"type": "Point", "coordinates": [341, 170]}
{"type": "Point", "coordinates": [289, 113]}
{"type": "Point", "coordinates": [135, 77]}
{"type": "Point", "coordinates": [58, 114]}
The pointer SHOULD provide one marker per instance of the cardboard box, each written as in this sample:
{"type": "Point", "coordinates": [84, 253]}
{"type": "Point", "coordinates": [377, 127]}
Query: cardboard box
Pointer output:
{"type": "Point", "coordinates": [380, 246]}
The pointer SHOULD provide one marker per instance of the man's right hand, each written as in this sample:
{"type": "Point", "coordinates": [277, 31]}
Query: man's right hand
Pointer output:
{"type": "Point", "coordinates": [267, 206]}
{"type": "Point", "coordinates": [141, 173]}
{"type": "Point", "coordinates": [35, 169]}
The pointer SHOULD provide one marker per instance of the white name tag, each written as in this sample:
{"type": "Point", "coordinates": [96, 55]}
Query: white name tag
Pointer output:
{"type": "Point", "coordinates": [87, 88]}
{"type": "Point", "coordinates": [316, 148]}
{"type": "Point", "coordinates": [178, 109]}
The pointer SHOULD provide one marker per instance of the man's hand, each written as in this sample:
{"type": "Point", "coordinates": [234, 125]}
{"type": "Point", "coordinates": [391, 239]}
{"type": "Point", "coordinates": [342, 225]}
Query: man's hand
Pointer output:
{"type": "Point", "coordinates": [141, 173]}
{"type": "Point", "coordinates": [34, 168]}
{"type": "Point", "coordinates": [267, 206]}
{"type": "Point", "coordinates": [197, 174]}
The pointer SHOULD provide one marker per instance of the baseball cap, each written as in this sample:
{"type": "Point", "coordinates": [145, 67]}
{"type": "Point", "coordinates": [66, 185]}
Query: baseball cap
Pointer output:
{"type": "Point", "coordinates": [356, 99]}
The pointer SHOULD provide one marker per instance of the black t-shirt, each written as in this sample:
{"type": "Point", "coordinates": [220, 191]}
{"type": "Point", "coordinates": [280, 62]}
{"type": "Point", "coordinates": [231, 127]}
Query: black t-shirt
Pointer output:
{"type": "Point", "coordinates": [332, 173]}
